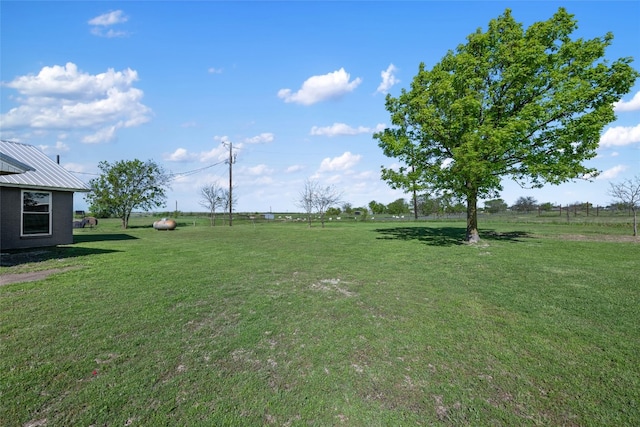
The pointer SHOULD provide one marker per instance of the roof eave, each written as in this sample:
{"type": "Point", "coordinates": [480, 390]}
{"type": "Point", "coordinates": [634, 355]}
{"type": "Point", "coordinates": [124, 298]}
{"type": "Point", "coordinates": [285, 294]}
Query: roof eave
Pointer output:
{"type": "Point", "coordinates": [44, 187]}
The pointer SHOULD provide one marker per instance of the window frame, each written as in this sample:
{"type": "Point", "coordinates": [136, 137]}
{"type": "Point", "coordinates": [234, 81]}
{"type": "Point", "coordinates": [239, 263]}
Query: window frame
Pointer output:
{"type": "Point", "coordinates": [48, 212]}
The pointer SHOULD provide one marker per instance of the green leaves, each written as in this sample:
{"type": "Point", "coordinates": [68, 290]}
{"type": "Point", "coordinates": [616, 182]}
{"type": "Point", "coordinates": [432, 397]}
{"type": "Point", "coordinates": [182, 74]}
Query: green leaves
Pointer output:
{"type": "Point", "coordinates": [525, 104]}
{"type": "Point", "coordinates": [127, 185]}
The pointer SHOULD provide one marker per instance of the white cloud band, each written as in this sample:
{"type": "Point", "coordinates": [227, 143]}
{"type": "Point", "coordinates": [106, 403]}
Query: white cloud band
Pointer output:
{"type": "Point", "coordinates": [320, 88]}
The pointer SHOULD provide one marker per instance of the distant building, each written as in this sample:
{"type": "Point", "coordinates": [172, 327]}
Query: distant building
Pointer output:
{"type": "Point", "coordinates": [36, 198]}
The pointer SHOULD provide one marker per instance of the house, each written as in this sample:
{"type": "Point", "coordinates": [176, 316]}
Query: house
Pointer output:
{"type": "Point", "coordinates": [36, 198]}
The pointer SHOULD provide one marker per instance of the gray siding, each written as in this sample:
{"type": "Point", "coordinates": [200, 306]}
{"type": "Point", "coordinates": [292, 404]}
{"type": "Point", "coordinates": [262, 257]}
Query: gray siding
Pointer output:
{"type": "Point", "coordinates": [10, 211]}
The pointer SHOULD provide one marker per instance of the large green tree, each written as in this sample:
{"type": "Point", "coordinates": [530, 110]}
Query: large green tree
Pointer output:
{"type": "Point", "coordinates": [528, 104]}
{"type": "Point", "coordinates": [127, 185]}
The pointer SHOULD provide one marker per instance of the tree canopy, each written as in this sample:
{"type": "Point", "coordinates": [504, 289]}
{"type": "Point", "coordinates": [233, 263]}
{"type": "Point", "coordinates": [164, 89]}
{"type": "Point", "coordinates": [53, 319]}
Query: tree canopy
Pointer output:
{"type": "Point", "coordinates": [495, 206]}
{"type": "Point", "coordinates": [525, 204]}
{"type": "Point", "coordinates": [127, 185]}
{"type": "Point", "coordinates": [528, 104]}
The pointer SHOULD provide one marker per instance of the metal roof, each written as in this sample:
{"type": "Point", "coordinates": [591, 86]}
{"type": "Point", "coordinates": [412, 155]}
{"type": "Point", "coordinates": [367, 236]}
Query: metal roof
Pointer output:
{"type": "Point", "coordinates": [9, 165]}
{"type": "Point", "coordinates": [38, 170]}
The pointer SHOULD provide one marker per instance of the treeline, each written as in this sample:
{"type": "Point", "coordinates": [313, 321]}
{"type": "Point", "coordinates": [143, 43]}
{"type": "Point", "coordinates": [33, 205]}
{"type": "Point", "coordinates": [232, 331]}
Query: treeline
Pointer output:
{"type": "Point", "coordinates": [426, 205]}
{"type": "Point", "coordinates": [527, 205]}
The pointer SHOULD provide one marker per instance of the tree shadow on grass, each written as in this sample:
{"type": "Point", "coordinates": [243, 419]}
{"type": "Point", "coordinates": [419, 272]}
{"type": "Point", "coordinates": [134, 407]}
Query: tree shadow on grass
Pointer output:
{"type": "Point", "coordinates": [89, 237]}
{"type": "Point", "coordinates": [445, 236]}
{"type": "Point", "coordinates": [25, 256]}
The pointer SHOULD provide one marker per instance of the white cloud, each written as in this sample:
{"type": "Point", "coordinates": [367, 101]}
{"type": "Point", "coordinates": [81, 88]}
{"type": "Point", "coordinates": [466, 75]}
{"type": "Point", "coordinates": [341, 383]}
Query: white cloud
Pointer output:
{"type": "Point", "coordinates": [343, 129]}
{"type": "Point", "coordinates": [294, 168]}
{"type": "Point", "coordinates": [180, 155]}
{"type": "Point", "coordinates": [216, 154]}
{"type": "Point", "coordinates": [388, 79]}
{"type": "Point", "coordinates": [259, 139]}
{"type": "Point", "coordinates": [107, 19]}
{"type": "Point", "coordinates": [79, 168]}
{"type": "Point", "coordinates": [110, 33]}
{"type": "Point", "coordinates": [55, 82]}
{"type": "Point", "coordinates": [632, 105]}
{"type": "Point", "coordinates": [58, 148]}
{"type": "Point", "coordinates": [213, 70]}
{"type": "Point", "coordinates": [320, 88]}
{"type": "Point", "coordinates": [64, 98]}
{"type": "Point", "coordinates": [100, 23]}
{"type": "Point", "coordinates": [446, 163]}
{"type": "Point", "coordinates": [105, 134]}
{"type": "Point", "coordinates": [223, 138]}
{"type": "Point", "coordinates": [612, 173]}
{"type": "Point", "coordinates": [258, 170]}
{"type": "Point", "coordinates": [620, 135]}
{"type": "Point", "coordinates": [341, 163]}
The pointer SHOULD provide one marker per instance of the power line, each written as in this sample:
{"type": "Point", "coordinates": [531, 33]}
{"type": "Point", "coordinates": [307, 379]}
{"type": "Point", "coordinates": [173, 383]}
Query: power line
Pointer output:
{"type": "Point", "coordinates": [84, 173]}
{"type": "Point", "coordinates": [194, 171]}
{"type": "Point", "coordinates": [171, 175]}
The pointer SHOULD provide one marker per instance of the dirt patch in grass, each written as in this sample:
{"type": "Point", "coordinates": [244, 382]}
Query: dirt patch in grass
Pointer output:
{"type": "Point", "coordinates": [32, 276]}
{"type": "Point", "coordinates": [599, 238]}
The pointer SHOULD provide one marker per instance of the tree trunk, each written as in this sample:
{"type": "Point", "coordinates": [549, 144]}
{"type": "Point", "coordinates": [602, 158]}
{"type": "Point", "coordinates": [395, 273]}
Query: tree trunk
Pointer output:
{"type": "Point", "coordinates": [472, 218]}
{"type": "Point", "coordinates": [635, 222]}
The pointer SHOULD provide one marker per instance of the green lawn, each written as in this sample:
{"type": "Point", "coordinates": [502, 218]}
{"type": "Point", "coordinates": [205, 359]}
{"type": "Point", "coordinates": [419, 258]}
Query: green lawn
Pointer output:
{"type": "Point", "coordinates": [356, 324]}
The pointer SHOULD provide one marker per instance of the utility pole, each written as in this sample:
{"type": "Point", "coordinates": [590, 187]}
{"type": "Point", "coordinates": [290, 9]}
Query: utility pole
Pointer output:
{"type": "Point", "coordinates": [230, 161]}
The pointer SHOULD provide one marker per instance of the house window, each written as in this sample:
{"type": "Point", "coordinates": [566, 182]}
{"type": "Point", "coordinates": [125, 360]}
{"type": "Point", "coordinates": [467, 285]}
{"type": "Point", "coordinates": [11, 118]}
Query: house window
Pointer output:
{"type": "Point", "coordinates": [36, 213]}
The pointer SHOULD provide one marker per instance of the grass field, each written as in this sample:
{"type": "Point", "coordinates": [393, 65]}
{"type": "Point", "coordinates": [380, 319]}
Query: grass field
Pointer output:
{"type": "Point", "coordinates": [355, 324]}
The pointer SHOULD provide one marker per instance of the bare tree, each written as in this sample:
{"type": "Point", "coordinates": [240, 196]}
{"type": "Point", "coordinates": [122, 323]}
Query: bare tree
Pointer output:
{"type": "Point", "coordinates": [315, 198]}
{"type": "Point", "coordinates": [627, 192]}
{"type": "Point", "coordinates": [211, 198]}
{"type": "Point", "coordinates": [225, 195]}
{"type": "Point", "coordinates": [324, 198]}
{"type": "Point", "coordinates": [307, 197]}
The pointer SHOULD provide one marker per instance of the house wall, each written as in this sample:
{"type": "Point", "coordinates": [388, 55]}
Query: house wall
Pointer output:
{"type": "Point", "coordinates": [10, 211]}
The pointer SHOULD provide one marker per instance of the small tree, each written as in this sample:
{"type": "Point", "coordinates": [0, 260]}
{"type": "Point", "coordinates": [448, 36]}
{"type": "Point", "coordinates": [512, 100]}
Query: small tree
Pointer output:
{"type": "Point", "coordinates": [334, 211]}
{"type": "Point", "coordinates": [127, 185]}
{"type": "Point", "coordinates": [226, 200]}
{"type": "Point", "coordinates": [397, 207]}
{"type": "Point", "coordinates": [362, 213]}
{"type": "Point", "coordinates": [324, 198]}
{"type": "Point", "coordinates": [306, 198]}
{"type": "Point", "coordinates": [627, 192]}
{"type": "Point", "coordinates": [546, 207]}
{"type": "Point", "coordinates": [495, 206]}
{"type": "Point", "coordinates": [525, 204]}
{"type": "Point", "coordinates": [315, 198]}
{"type": "Point", "coordinates": [211, 197]}
{"type": "Point", "coordinates": [377, 208]}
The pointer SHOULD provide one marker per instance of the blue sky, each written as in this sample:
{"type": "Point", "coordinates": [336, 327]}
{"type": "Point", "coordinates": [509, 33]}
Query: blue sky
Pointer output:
{"type": "Point", "coordinates": [297, 87]}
